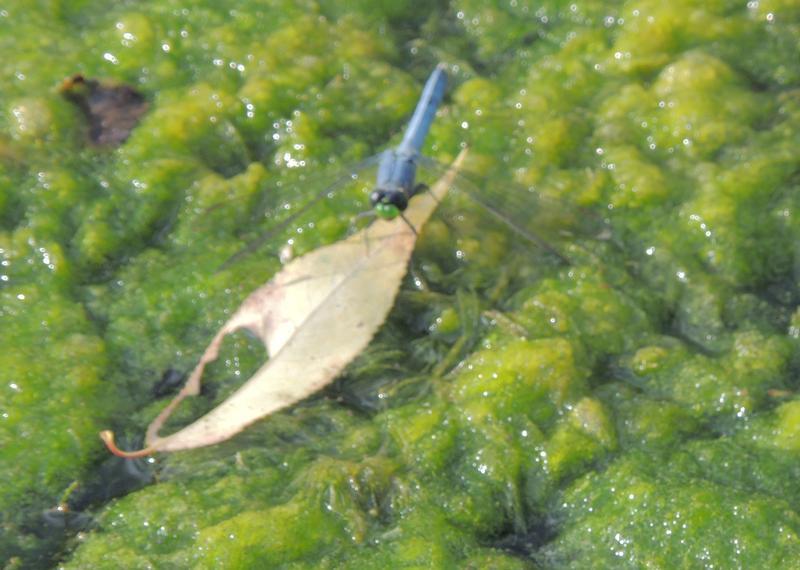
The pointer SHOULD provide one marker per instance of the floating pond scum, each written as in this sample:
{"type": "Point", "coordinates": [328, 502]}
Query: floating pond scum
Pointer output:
{"type": "Point", "coordinates": [634, 406]}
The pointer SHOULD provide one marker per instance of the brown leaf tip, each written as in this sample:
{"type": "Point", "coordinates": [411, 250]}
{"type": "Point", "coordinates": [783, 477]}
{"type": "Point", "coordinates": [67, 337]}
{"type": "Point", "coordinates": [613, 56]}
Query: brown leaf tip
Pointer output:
{"type": "Point", "coordinates": [108, 438]}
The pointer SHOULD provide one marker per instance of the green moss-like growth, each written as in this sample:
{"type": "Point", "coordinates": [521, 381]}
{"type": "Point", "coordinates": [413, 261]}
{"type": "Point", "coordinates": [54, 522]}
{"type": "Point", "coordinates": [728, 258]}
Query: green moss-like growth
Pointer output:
{"type": "Point", "coordinates": [661, 510]}
{"type": "Point", "coordinates": [629, 404]}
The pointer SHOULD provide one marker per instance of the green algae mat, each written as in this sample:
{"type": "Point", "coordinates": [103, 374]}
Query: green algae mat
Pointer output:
{"type": "Point", "coordinates": [634, 408]}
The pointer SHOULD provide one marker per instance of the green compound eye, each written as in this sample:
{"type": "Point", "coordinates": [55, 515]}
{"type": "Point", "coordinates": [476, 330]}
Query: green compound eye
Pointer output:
{"type": "Point", "coordinates": [387, 211]}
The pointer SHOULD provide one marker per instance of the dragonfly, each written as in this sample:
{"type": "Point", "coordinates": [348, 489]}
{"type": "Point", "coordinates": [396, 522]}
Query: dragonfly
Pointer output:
{"type": "Point", "coordinates": [396, 182]}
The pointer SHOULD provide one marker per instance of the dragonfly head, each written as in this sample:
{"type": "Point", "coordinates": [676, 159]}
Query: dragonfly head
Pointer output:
{"type": "Point", "coordinates": [388, 204]}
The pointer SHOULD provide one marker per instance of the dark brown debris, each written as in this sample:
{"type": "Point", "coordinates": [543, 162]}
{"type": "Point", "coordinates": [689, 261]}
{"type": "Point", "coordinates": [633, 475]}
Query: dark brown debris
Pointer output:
{"type": "Point", "coordinates": [112, 110]}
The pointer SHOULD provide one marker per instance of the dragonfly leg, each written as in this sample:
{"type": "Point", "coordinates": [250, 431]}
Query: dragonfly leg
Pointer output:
{"type": "Point", "coordinates": [422, 187]}
{"type": "Point", "coordinates": [355, 219]}
{"type": "Point", "coordinates": [413, 229]}
{"type": "Point", "coordinates": [354, 225]}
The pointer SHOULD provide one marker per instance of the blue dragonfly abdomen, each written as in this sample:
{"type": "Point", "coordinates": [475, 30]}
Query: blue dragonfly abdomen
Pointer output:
{"type": "Point", "coordinates": [425, 112]}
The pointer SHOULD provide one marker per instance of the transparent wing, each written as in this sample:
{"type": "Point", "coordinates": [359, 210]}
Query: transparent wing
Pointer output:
{"type": "Point", "coordinates": [540, 224]}
{"type": "Point", "coordinates": [531, 207]}
{"type": "Point", "coordinates": [345, 178]}
{"type": "Point", "coordinates": [540, 221]}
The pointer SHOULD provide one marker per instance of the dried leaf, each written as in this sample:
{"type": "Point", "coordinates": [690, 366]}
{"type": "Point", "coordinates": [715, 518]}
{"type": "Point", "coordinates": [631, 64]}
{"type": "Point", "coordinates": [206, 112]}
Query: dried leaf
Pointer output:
{"type": "Point", "coordinates": [112, 110]}
{"type": "Point", "coordinates": [314, 317]}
